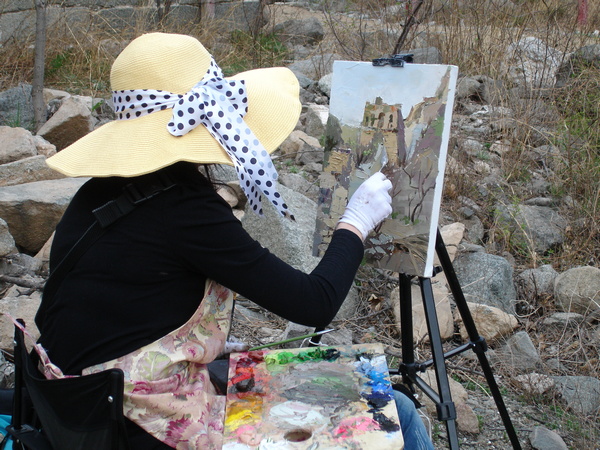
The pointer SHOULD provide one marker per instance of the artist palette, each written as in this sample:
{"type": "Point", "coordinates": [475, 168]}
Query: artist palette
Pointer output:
{"type": "Point", "coordinates": [309, 398]}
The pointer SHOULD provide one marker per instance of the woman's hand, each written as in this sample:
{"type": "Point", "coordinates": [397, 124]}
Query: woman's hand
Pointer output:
{"type": "Point", "coordinates": [370, 204]}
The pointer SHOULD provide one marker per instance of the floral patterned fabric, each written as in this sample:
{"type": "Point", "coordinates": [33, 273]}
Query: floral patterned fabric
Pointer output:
{"type": "Point", "coordinates": [168, 391]}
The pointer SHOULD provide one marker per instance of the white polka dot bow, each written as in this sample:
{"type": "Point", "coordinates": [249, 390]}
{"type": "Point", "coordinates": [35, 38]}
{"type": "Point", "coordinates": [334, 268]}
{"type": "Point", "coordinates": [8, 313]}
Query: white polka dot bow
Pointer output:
{"type": "Point", "coordinates": [219, 105]}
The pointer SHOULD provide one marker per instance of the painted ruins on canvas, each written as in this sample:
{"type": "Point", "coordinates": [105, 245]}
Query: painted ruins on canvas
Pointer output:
{"type": "Point", "coordinates": [395, 120]}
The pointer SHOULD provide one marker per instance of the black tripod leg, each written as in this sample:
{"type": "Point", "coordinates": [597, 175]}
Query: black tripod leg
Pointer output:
{"type": "Point", "coordinates": [445, 408]}
{"type": "Point", "coordinates": [478, 342]}
{"type": "Point", "coordinates": [406, 330]}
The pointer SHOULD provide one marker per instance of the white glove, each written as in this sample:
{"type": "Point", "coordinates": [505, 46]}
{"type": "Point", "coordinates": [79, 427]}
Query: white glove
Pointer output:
{"type": "Point", "coordinates": [370, 204]}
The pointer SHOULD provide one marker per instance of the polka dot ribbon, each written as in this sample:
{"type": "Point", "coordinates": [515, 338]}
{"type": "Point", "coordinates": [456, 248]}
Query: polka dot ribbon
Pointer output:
{"type": "Point", "coordinates": [219, 105]}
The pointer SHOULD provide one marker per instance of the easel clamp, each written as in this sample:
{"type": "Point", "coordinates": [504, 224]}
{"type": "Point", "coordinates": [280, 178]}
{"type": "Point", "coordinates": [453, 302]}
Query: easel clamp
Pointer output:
{"type": "Point", "coordinates": [397, 60]}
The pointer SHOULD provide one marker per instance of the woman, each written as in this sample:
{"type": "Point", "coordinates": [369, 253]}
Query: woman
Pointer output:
{"type": "Point", "coordinates": [152, 295]}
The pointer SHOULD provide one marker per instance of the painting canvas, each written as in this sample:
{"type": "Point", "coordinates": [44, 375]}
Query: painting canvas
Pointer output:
{"type": "Point", "coordinates": [309, 398]}
{"type": "Point", "coordinates": [395, 120]}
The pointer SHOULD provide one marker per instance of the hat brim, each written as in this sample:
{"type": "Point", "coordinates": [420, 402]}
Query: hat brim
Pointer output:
{"type": "Point", "coordinates": [143, 145]}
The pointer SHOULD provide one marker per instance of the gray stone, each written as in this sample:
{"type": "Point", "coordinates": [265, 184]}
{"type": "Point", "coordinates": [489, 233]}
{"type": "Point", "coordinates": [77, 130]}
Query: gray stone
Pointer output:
{"type": "Point", "coordinates": [474, 230]}
{"type": "Point", "coordinates": [7, 373]}
{"type": "Point", "coordinates": [316, 66]}
{"type": "Point", "coordinates": [300, 31]}
{"type": "Point", "coordinates": [581, 394]}
{"type": "Point", "coordinates": [532, 63]}
{"type": "Point", "coordinates": [20, 264]}
{"type": "Point", "coordinates": [324, 84]}
{"type": "Point", "coordinates": [17, 143]}
{"type": "Point", "coordinates": [578, 290]}
{"type": "Point", "coordinates": [563, 319]}
{"type": "Point", "coordinates": [542, 438]}
{"type": "Point", "coordinates": [16, 108]}
{"type": "Point", "coordinates": [32, 210]}
{"type": "Point", "coordinates": [299, 183]}
{"type": "Point", "coordinates": [532, 228]}
{"type": "Point", "coordinates": [585, 56]}
{"type": "Point", "coordinates": [315, 120]}
{"type": "Point", "coordinates": [244, 315]}
{"type": "Point", "coordinates": [536, 283]}
{"type": "Point", "coordinates": [27, 170]}
{"type": "Point", "coordinates": [486, 279]}
{"type": "Point", "coordinates": [7, 243]}
{"type": "Point", "coordinates": [22, 307]}
{"type": "Point", "coordinates": [520, 352]}
{"type": "Point", "coordinates": [289, 240]}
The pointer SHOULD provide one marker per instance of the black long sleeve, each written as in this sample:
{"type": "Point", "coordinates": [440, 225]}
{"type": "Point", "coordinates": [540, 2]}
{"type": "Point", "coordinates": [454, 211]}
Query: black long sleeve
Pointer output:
{"type": "Point", "coordinates": [145, 277]}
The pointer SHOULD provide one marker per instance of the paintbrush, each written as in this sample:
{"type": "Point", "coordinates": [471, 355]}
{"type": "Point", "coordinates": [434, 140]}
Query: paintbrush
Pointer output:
{"type": "Point", "coordinates": [285, 341]}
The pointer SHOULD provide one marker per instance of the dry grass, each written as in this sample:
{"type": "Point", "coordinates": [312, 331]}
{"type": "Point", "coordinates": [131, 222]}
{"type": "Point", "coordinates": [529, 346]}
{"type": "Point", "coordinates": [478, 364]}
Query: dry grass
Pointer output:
{"type": "Point", "coordinates": [474, 35]}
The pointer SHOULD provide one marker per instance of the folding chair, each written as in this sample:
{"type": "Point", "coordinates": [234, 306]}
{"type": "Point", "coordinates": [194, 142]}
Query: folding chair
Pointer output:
{"type": "Point", "coordinates": [78, 413]}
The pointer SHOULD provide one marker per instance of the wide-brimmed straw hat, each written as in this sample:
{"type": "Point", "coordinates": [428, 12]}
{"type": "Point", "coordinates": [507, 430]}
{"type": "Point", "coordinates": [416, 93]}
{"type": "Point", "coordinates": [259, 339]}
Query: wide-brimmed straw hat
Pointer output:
{"type": "Point", "coordinates": [175, 64]}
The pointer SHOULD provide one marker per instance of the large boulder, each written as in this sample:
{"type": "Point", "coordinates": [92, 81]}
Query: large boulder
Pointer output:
{"type": "Point", "coordinates": [534, 228]}
{"type": "Point", "coordinates": [17, 143]}
{"type": "Point", "coordinates": [486, 279]}
{"type": "Point", "coordinates": [32, 210]}
{"type": "Point", "coordinates": [578, 290]}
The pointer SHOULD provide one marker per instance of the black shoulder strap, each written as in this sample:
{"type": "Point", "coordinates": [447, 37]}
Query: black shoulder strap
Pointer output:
{"type": "Point", "coordinates": [132, 195]}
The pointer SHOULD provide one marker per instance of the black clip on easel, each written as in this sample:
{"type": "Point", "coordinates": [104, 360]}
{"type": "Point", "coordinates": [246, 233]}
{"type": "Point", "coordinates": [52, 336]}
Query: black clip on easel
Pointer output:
{"type": "Point", "coordinates": [408, 368]}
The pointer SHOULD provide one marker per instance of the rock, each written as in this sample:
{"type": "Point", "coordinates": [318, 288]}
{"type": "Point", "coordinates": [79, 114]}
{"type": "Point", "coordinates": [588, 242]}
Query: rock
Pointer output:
{"type": "Point", "coordinates": [7, 373]}
{"type": "Point", "coordinates": [458, 392]}
{"type": "Point", "coordinates": [293, 330]}
{"type": "Point", "coordinates": [315, 120]}
{"type": "Point", "coordinates": [536, 283]}
{"type": "Point", "coordinates": [27, 170]}
{"type": "Point", "coordinates": [7, 243]}
{"type": "Point", "coordinates": [32, 210]}
{"type": "Point", "coordinates": [316, 66]}
{"type": "Point", "coordinates": [243, 315]}
{"type": "Point", "coordinates": [533, 63]}
{"type": "Point", "coordinates": [578, 290]}
{"type": "Point", "coordinates": [542, 438]}
{"type": "Point", "coordinates": [564, 320]}
{"type": "Point", "coordinates": [309, 151]}
{"type": "Point", "coordinates": [23, 307]}
{"type": "Point", "coordinates": [350, 306]}
{"type": "Point", "coordinates": [452, 236]}
{"type": "Point", "coordinates": [17, 143]}
{"type": "Point", "coordinates": [299, 183]}
{"type": "Point", "coordinates": [475, 231]}
{"type": "Point", "coordinates": [535, 383]}
{"type": "Point", "coordinates": [289, 240]}
{"type": "Point", "coordinates": [584, 57]}
{"type": "Point", "coordinates": [535, 228]}
{"type": "Point", "coordinates": [16, 108]}
{"type": "Point", "coordinates": [581, 394]}
{"type": "Point", "coordinates": [20, 264]}
{"type": "Point", "coordinates": [300, 31]}
{"type": "Point", "coordinates": [324, 84]}
{"type": "Point", "coordinates": [304, 148]}
{"type": "Point", "coordinates": [520, 352]}
{"type": "Point", "coordinates": [486, 279]}
{"type": "Point", "coordinates": [443, 311]}
{"type": "Point", "coordinates": [72, 121]}
{"type": "Point", "coordinates": [44, 147]}
{"type": "Point", "coordinates": [466, 419]}
{"type": "Point", "coordinates": [491, 323]}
